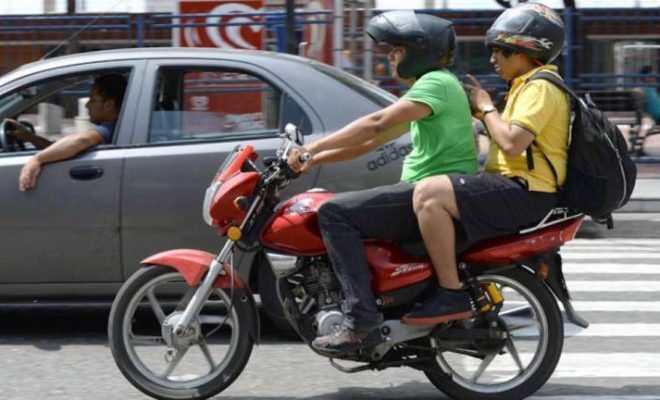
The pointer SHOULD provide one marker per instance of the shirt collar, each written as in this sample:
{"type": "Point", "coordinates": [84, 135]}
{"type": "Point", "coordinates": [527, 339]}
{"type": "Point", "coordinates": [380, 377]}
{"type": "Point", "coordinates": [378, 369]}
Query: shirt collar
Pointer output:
{"type": "Point", "coordinates": [517, 82]}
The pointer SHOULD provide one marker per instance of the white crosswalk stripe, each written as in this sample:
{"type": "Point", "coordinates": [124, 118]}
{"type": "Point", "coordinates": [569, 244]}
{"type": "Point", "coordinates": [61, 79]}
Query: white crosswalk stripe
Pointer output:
{"type": "Point", "coordinates": [608, 268]}
{"type": "Point", "coordinates": [615, 284]}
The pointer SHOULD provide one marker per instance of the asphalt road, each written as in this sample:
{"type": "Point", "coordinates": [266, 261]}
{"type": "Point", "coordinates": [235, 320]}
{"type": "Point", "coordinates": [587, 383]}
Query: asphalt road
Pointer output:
{"type": "Point", "coordinates": [61, 353]}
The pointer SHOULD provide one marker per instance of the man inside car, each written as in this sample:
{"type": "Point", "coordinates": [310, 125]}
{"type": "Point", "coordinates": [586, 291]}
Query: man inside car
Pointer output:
{"type": "Point", "coordinates": [105, 99]}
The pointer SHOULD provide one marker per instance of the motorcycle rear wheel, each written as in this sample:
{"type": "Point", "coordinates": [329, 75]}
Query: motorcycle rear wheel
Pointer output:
{"type": "Point", "coordinates": [220, 345]}
{"type": "Point", "coordinates": [532, 316]}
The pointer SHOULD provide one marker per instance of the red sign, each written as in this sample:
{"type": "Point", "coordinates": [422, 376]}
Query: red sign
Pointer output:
{"type": "Point", "coordinates": [214, 101]}
{"type": "Point", "coordinates": [319, 35]}
{"type": "Point", "coordinates": [220, 12]}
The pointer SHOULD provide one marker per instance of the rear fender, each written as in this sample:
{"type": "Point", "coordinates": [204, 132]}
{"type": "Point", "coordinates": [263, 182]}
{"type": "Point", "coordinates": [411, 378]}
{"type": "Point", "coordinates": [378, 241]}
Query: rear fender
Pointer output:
{"type": "Point", "coordinates": [193, 264]}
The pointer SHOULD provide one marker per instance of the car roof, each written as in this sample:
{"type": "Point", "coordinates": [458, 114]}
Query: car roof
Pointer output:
{"type": "Point", "coordinates": [254, 56]}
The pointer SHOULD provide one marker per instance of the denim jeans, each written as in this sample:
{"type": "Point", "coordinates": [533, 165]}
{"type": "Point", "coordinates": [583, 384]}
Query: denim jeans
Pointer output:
{"type": "Point", "coordinates": [347, 220]}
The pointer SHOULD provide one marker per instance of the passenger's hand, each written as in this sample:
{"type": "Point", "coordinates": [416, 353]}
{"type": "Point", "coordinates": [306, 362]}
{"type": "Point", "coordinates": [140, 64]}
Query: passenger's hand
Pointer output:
{"type": "Point", "coordinates": [29, 175]}
{"type": "Point", "coordinates": [479, 98]}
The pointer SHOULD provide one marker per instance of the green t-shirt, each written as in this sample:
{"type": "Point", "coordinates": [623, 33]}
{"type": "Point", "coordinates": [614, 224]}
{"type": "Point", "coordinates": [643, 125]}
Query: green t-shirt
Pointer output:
{"type": "Point", "coordinates": [443, 141]}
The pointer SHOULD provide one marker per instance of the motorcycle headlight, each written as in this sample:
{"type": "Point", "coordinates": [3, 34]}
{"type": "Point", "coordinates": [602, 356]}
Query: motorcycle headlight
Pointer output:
{"type": "Point", "coordinates": [211, 191]}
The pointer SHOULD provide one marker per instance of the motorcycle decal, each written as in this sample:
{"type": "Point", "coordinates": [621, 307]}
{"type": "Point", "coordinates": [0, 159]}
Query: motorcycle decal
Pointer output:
{"type": "Point", "coordinates": [303, 206]}
{"type": "Point", "coordinates": [407, 268]}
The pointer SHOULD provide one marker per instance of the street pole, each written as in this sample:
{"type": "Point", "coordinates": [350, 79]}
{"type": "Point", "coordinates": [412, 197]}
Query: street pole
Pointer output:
{"type": "Point", "coordinates": [291, 43]}
{"type": "Point", "coordinates": [338, 32]}
{"type": "Point", "coordinates": [73, 45]}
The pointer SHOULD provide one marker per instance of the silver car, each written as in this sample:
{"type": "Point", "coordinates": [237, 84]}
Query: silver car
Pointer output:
{"type": "Point", "coordinates": [92, 218]}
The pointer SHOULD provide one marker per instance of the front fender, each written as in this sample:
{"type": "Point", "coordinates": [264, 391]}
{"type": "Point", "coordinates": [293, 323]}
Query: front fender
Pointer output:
{"type": "Point", "coordinates": [193, 264]}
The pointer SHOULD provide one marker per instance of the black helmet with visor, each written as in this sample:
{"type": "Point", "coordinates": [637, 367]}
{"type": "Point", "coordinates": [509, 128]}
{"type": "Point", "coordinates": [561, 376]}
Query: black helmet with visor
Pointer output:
{"type": "Point", "coordinates": [426, 38]}
{"type": "Point", "coordinates": [529, 28]}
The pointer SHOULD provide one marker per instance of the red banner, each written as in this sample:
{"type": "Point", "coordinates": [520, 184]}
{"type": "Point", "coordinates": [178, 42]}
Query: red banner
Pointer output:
{"type": "Point", "coordinates": [229, 36]}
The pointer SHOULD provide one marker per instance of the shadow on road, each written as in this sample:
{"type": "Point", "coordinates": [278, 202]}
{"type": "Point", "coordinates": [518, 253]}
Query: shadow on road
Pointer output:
{"type": "Point", "coordinates": [49, 327]}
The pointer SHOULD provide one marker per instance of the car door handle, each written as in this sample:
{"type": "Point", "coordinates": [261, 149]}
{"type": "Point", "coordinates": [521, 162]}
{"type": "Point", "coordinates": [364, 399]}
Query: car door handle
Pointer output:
{"type": "Point", "coordinates": [86, 172]}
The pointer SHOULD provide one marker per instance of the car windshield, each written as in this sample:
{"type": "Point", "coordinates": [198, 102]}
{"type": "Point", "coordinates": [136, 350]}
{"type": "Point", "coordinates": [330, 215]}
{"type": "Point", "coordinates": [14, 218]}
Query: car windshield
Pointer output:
{"type": "Point", "coordinates": [379, 96]}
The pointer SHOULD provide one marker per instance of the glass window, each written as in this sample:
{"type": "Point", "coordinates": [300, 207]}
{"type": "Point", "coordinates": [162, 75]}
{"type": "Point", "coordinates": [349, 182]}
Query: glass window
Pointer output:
{"type": "Point", "coordinates": [195, 104]}
{"type": "Point", "coordinates": [53, 108]}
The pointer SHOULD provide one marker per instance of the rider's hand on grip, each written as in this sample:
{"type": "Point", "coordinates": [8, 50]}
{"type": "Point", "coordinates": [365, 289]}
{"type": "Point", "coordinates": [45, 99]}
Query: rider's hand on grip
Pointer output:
{"type": "Point", "coordinates": [297, 159]}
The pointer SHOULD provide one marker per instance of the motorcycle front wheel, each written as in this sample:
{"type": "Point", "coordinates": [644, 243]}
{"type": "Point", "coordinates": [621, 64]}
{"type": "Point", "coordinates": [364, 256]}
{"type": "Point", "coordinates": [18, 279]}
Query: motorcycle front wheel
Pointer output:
{"type": "Point", "coordinates": [196, 365]}
{"type": "Point", "coordinates": [515, 365]}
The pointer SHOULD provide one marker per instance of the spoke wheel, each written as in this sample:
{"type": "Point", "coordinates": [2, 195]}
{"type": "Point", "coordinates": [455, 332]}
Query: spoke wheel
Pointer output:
{"type": "Point", "coordinates": [195, 365]}
{"type": "Point", "coordinates": [519, 363]}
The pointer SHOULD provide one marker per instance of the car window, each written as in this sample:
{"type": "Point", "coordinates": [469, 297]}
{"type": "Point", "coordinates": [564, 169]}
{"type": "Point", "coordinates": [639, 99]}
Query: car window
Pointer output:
{"type": "Point", "coordinates": [207, 104]}
{"type": "Point", "coordinates": [53, 108]}
{"type": "Point", "coordinates": [379, 96]}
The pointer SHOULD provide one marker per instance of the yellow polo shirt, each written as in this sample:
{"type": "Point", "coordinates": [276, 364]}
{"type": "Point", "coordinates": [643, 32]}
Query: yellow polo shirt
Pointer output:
{"type": "Point", "coordinates": [543, 109]}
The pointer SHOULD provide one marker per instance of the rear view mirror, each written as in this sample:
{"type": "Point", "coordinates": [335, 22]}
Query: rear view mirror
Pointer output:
{"type": "Point", "coordinates": [293, 134]}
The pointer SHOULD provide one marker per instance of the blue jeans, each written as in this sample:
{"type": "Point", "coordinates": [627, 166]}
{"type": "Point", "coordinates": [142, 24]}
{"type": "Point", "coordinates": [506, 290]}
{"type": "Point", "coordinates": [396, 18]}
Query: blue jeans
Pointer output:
{"type": "Point", "coordinates": [384, 213]}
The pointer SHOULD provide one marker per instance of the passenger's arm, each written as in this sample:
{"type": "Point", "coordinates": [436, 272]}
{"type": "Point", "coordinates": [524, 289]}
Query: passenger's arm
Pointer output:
{"type": "Point", "coordinates": [62, 149]}
{"type": "Point", "coordinates": [513, 139]}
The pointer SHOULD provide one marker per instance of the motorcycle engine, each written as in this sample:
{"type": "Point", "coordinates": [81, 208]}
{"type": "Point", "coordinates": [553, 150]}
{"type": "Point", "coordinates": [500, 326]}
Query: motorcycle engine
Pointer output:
{"type": "Point", "coordinates": [320, 283]}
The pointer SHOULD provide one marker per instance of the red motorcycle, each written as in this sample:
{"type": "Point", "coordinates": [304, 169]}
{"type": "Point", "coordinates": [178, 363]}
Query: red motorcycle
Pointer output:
{"type": "Point", "coordinates": [184, 325]}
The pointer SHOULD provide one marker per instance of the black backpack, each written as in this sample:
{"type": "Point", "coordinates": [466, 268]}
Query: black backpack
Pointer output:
{"type": "Point", "coordinates": [600, 175]}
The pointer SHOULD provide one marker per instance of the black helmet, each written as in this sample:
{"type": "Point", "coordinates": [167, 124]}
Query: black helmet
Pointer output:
{"type": "Point", "coordinates": [528, 28]}
{"type": "Point", "coordinates": [426, 38]}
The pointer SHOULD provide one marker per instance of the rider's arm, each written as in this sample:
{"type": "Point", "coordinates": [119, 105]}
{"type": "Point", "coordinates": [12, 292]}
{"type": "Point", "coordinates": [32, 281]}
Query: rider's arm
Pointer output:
{"type": "Point", "coordinates": [69, 146]}
{"type": "Point", "coordinates": [349, 153]}
{"type": "Point", "coordinates": [376, 128]}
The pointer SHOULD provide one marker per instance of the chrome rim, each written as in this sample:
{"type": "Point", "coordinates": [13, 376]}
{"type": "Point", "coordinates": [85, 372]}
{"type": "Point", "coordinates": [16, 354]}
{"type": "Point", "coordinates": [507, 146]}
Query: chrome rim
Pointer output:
{"type": "Point", "coordinates": [209, 348]}
{"type": "Point", "coordinates": [521, 354]}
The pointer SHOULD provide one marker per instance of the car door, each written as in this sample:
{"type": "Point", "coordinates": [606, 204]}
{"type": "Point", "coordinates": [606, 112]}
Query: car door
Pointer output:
{"type": "Point", "coordinates": [194, 113]}
{"type": "Point", "coordinates": [65, 232]}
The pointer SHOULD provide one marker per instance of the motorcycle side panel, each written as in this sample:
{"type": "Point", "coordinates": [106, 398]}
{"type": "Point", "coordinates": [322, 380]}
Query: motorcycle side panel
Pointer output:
{"type": "Point", "coordinates": [510, 249]}
{"type": "Point", "coordinates": [391, 268]}
{"type": "Point", "coordinates": [193, 264]}
{"type": "Point", "coordinates": [294, 227]}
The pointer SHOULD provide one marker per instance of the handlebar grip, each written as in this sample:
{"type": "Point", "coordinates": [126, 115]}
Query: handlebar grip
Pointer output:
{"type": "Point", "coordinates": [304, 157]}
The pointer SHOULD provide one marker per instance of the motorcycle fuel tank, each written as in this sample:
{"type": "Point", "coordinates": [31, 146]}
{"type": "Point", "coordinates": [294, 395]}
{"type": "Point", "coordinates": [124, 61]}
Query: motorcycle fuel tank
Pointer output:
{"type": "Point", "coordinates": [294, 226]}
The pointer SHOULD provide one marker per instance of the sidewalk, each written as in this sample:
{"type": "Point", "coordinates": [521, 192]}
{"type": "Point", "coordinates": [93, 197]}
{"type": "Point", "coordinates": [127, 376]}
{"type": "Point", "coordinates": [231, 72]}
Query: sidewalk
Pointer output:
{"type": "Point", "coordinates": [626, 225]}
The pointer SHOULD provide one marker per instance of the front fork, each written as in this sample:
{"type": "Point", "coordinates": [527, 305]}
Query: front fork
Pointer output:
{"type": "Point", "coordinates": [204, 290]}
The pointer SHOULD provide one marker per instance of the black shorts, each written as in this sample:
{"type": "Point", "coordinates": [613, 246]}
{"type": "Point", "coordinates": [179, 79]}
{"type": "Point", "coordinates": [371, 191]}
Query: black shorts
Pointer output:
{"type": "Point", "coordinates": [493, 205]}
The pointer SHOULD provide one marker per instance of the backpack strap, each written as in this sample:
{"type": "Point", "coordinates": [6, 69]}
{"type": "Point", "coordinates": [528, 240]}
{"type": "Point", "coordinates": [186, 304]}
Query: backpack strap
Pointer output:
{"type": "Point", "coordinates": [555, 80]}
{"type": "Point", "coordinates": [558, 82]}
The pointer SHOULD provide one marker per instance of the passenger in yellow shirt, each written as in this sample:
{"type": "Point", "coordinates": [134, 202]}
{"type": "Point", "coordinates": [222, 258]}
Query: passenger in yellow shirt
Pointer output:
{"type": "Point", "coordinates": [508, 195]}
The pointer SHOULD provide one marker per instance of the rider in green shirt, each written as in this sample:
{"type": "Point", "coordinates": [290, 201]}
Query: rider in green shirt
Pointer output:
{"type": "Point", "coordinates": [437, 111]}
{"type": "Point", "coordinates": [440, 142]}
